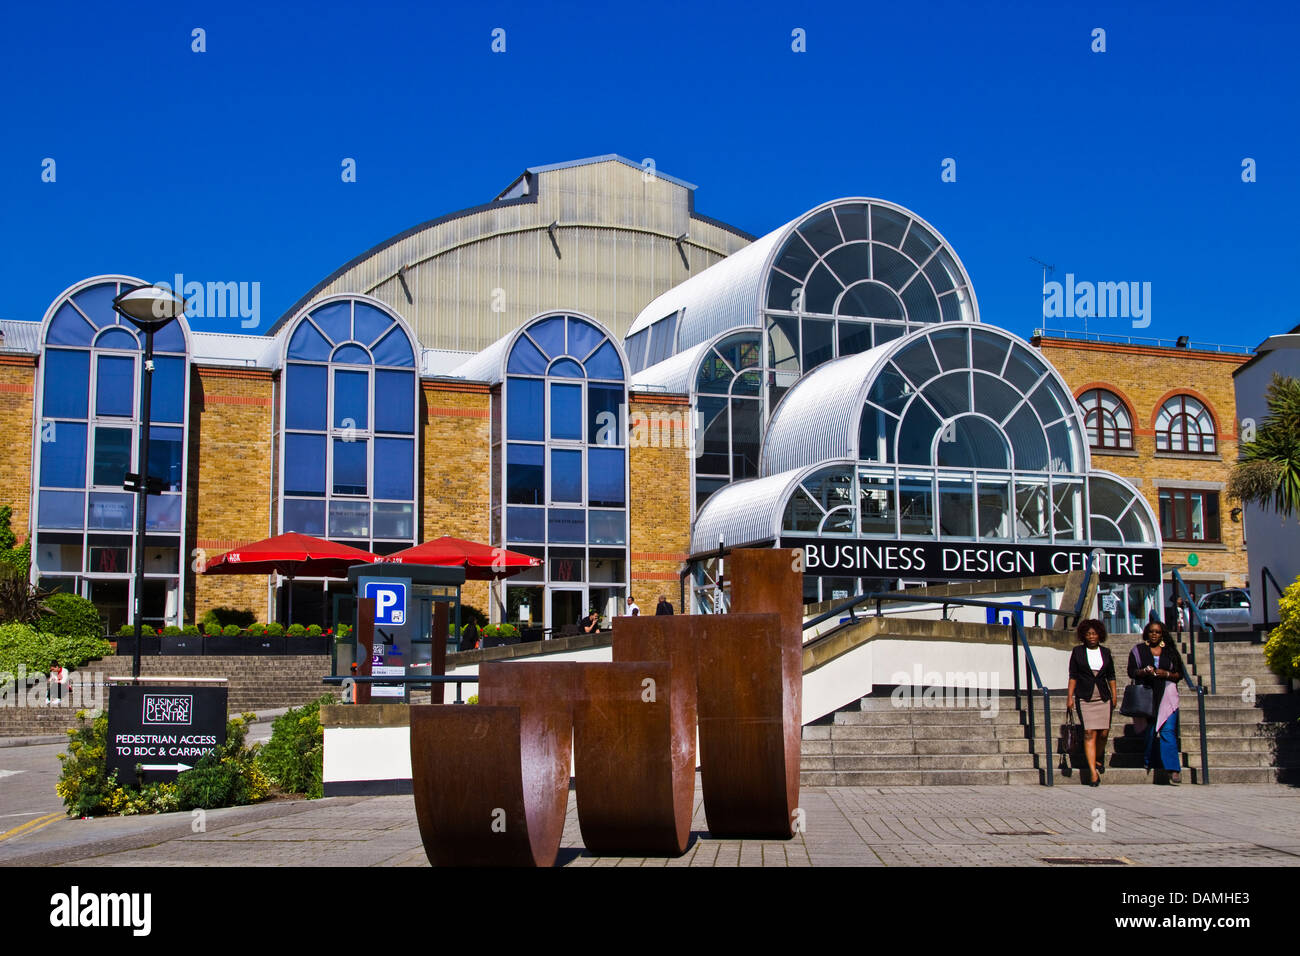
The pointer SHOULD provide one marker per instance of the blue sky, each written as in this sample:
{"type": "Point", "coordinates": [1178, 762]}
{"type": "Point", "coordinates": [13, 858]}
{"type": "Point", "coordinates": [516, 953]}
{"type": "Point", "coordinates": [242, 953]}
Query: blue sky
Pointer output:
{"type": "Point", "coordinates": [1117, 166]}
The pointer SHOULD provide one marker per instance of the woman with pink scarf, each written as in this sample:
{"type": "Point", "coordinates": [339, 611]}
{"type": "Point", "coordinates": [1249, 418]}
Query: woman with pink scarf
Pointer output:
{"type": "Point", "coordinates": [1155, 663]}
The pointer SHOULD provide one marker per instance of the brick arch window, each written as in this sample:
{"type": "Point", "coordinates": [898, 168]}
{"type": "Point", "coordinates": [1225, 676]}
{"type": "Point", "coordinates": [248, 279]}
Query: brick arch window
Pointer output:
{"type": "Point", "coordinates": [1107, 419]}
{"type": "Point", "coordinates": [1184, 424]}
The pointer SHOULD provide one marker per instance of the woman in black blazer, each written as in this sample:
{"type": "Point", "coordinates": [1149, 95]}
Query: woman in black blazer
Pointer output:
{"type": "Point", "coordinates": [1157, 664]}
{"type": "Point", "coordinates": [1092, 686]}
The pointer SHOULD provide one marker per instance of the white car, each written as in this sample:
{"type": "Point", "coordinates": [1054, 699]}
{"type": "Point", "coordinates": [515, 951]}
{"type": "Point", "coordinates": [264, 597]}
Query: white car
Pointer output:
{"type": "Point", "coordinates": [1227, 610]}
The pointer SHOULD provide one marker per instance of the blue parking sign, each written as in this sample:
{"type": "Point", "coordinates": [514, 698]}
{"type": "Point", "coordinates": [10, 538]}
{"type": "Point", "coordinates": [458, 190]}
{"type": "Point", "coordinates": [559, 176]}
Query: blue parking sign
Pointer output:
{"type": "Point", "coordinates": [390, 601]}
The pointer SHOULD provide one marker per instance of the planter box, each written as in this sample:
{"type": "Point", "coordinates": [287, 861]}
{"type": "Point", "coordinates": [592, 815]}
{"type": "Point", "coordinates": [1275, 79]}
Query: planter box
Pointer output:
{"type": "Point", "coordinates": [219, 644]}
{"type": "Point", "coordinates": [181, 644]}
{"type": "Point", "coordinates": [264, 645]}
{"type": "Point", "coordinates": [148, 645]}
{"type": "Point", "coordinates": [308, 645]}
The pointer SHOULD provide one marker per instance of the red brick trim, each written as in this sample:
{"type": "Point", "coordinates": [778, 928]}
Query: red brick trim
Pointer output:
{"type": "Point", "coordinates": [439, 411]}
{"type": "Point", "coordinates": [22, 361]}
{"type": "Point", "coordinates": [659, 555]}
{"type": "Point", "coordinates": [17, 388]}
{"type": "Point", "coordinates": [1200, 397]}
{"type": "Point", "coordinates": [1124, 349]}
{"type": "Point", "coordinates": [655, 576]}
{"type": "Point", "coordinates": [255, 374]}
{"type": "Point", "coordinates": [264, 402]}
{"type": "Point", "coordinates": [1113, 389]}
{"type": "Point", "coordinates": [659, 398]}
{"type": "Point", "coordinates": [473, 388]}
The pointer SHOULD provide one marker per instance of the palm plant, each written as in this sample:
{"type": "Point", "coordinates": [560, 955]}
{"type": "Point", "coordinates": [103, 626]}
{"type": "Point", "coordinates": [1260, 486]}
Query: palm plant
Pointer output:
{"type": "Point", "coordinates": [1268, 471]}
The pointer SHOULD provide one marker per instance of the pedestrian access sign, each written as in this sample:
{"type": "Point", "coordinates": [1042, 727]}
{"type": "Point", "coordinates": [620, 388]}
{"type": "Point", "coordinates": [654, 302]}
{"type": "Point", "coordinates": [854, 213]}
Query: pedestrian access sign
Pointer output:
{"type": "Point", "coordinates": [390, 601]}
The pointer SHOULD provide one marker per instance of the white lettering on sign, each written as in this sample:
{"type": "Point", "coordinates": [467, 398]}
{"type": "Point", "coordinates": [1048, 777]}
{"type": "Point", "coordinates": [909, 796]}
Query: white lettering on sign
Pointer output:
{"type": "Point", "coordinates": [168, 709]}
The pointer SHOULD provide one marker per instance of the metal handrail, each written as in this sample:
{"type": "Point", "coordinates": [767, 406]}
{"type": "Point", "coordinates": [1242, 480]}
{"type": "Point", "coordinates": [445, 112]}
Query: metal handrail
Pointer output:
{"type": "Point", "coordinates": [426, 681]}
{"type": "Point", "coordinates": [1018, 639]}
{"type": "Point", "coordinates": [1204, 625]}
{"type": "Point", "coordinates": [1198, 688]}
{"type": "Point", "coordinates": [1265, 575]}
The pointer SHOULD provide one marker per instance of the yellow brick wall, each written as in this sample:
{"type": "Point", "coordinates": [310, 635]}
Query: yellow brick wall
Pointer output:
{"type": "Point", "coordinates": [1144, 378]}
{"type": "Point", "coordinates": [455, 469]}
{"type": "Point", "coordinates": [230, 470]}
{"type": "Point", "coordinates": [660, 510]}
{"type": "Point", "coordinates": [17, 391]}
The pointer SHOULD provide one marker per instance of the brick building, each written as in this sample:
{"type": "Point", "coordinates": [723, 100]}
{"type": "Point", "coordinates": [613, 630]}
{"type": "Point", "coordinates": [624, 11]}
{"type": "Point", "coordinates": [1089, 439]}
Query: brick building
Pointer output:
{"type": "Point", "coordinates": [1165, 418]}
{"type": "Point", "coordinates": [589, 371]}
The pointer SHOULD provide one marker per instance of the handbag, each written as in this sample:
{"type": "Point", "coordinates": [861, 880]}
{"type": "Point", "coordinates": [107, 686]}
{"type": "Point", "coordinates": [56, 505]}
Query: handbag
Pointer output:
{"type": "Point", "coordinates": [1139, 701]}
{"type": "Point", "coordinates": [1071, 736]}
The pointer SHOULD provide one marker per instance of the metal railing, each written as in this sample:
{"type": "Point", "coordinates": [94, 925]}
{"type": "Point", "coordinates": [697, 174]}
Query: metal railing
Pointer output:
{"type": "Point", "coordinates": [1140, 340]}
{"type": "Point", "coordinates": [426, 681]}
{"type": "Point", "coordinates": [1265, 575]}
{"type": "Point", "coordinates": [1018, 640]}
{"type": "Point", "coordinates": [1197, 688]}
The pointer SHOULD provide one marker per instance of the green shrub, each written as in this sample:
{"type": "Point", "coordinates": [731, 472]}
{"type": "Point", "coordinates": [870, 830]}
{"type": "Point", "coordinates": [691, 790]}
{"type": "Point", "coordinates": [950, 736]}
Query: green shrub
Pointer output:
{"type": "Point", "coordinates": [314, 630]}
{"type": "Point", "coordinates": [23, 644]}
{"type": "Point", "coordinates": [345, 632]}
{"type": "Point", "coordinates": [275, 629]}
{"type": "Point", "coordinates": [70, 615]}
{"type": "Point", "coordinates": [126, 630]}
{"type": "Point", "coordinates": [1282, 652]}
{"type": "Point", "coordinates": [171, 630]}
{"type": "Point", "coordinates": [13, 555]}
{"type": "Point", "coordinates": [230, 630]}
{"type": "Point", "coordinates": [293, 758]}
{"type": "Point", "coordinates": [227, 777]}
{"type": "Point", "coordinates": [190, 630]}
{"type": "Point", "coordinates": [222, 617]}
{"type": "Point", "coordinates": [257, 630]}
{"type": "Point", "coordinates": [296, 630]}
{"type": "Point", "coordinates": [500, 630]}
{"type": "Point", "coordinates": [88, 790]}
{"type": "Point", "coordinates": [20, 600]}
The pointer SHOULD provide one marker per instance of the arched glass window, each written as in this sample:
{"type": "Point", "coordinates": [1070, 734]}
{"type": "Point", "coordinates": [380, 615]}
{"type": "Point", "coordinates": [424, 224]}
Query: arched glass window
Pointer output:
{"type": "Point", "coordinates": [348, 451]}
{"type": "Point", "coordinates": [729, 402]}
{"type": "Point", "coordinates": [1184, 424]}
{"type": "Point", "coordinates": [1107, 419]}
{"type": "Point", "coordinates": [566, 471]}
{"type": "Point", "coordinates": [856, 275]}
{"type": "Point", "coordinates": [88, 417]}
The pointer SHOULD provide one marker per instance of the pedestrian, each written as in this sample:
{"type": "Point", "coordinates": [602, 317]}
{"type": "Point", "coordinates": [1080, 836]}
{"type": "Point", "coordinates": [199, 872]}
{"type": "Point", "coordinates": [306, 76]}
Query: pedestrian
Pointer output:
{"type": "Point", "coordinates": [1156, 664]}
{"type": "Point", "coordinates": [632, 609]}
{"type": "Point", "coordinates": [663, 607]}
{"type": "Point", "coordinates": [1092, 686]}
{"type": "Point", "coordinates": [591, 623]}
{"type": "Point", "coordinates": [1182, 615]}
{"type": "Point", "coordinates": [58, 677]}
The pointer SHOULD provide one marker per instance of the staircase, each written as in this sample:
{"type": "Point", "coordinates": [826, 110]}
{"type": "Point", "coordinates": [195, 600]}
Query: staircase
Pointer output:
{"type": "Point", "coordinates": [878, 743]}
{"type": "Point", "coordinates": [1252, 734]}
{"type": "Point", "coordinates": [255, 683]}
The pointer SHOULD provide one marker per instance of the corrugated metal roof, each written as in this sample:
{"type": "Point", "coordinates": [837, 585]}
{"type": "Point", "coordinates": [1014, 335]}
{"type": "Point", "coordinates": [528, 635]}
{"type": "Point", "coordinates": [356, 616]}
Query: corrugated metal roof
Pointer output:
{"type": "Point", "coordinates": [615, 158]}
{"type": "Point", "coordinates": [724, 296]}
{"type": "Point", "coordinates": [746, 512]}
{"type": "Point", "coordinates": [438, 362]}
{"type": "Point", "coordinates": [818, 418]}
{"type": "Point", "coordinates": [676, 375]}
{"type": "Point", "coordinates": [20, 336]}
{"type": "Point", "coordinates": [229, 348]}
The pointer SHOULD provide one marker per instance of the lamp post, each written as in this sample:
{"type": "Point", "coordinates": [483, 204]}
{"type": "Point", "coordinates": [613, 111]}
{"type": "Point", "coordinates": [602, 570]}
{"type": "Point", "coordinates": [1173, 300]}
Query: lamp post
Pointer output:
{"type": "Point", "coordinates": [149, 309]}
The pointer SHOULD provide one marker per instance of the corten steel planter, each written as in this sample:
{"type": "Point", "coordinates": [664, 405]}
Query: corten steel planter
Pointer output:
{"type": "Point", "coordinates": [751, 700]}
{"type": "Point", "coordinates": [491, 781]}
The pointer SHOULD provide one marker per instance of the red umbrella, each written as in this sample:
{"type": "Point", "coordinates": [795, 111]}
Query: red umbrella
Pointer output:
{"type": "Point", "coordinates": [481, 562]}
{"type": "Point", "coordinates": [290, 554]}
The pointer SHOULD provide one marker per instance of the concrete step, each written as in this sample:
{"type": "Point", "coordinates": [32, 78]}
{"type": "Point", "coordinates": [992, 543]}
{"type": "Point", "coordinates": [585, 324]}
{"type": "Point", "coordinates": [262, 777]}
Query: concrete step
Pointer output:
{"type": "Point", "coordinates": [862, 746]}
{"type": "Point", "coordinates": [917, 778]}
{"type": "Point", "coordinates": [922, 762]}
{"type": "Point", "coordinates": [916, 716]}
{"type": "Point", "coordinates": [918, 732]}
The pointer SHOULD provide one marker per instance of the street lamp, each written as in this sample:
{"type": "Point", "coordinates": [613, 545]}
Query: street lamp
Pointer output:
{"type": "Point", "coordinates": [149, 308]}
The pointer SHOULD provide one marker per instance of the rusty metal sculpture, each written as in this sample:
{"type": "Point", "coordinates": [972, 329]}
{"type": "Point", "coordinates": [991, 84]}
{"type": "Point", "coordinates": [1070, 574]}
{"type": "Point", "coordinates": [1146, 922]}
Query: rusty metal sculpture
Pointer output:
{"type": "Point", "coordinates": [751, 700]}
{"type": "Point", "coordinates": [491, 782]}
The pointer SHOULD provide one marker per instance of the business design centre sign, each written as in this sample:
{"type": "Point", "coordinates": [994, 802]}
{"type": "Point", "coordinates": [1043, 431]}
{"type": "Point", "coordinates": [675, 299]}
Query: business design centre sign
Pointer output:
{"type": "Point", "coordinates": [162, 731]}
{"type": "Point", "coordinates": [968, 560]}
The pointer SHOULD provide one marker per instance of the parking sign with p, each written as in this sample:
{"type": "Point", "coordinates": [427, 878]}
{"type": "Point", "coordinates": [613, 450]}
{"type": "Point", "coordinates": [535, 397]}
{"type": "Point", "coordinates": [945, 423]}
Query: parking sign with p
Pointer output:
{"type": "Point", "coordinates": [390, 601]}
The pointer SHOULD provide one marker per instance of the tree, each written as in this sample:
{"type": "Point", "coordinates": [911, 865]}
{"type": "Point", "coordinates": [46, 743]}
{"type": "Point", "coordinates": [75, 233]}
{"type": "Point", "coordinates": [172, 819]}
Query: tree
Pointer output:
{"type": "Point", "coordinates": [1268, 472]}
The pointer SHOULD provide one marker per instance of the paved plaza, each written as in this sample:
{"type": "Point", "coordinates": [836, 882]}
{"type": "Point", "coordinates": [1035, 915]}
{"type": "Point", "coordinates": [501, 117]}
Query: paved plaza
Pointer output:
{"type": "Point", "coordinates": [849, 826]}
